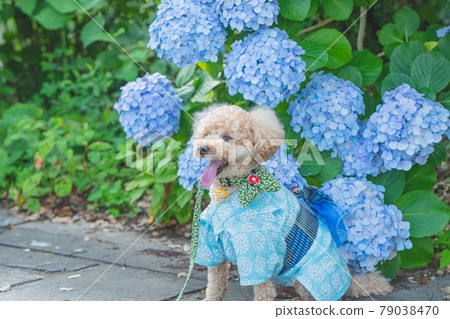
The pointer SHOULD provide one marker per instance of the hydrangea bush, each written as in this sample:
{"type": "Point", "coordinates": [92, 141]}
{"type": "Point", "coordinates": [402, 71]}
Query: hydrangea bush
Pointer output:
{"type": "Point", "coordinates": [186, 32]}
{"type": "Point", "coordinates": [375, 230]}
{"type": "Point", "coordinates": [190, 168]}
{"type": "Point", "coordinates": [248, 14]}
{"type": "Point", "coordinates": [376, 161]}
{"type": "Point", "coordinates": [405, 128]}
{"type": "Point", "coordinates": [326, 111]}
{"type": "Point", "coordinates": [265, 67]}
{"type": "Point", "coordinates": [147, 106]}
{"type": "Point", "coordinates": [285, 168]}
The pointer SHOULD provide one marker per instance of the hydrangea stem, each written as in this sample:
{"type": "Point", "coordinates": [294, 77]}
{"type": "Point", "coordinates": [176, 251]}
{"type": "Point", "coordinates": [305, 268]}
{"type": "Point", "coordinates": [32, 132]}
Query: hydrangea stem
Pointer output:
{"type": "Point", "coordinates": [362, 29]}
{"type": "Point", "coordinates": [315, 27]}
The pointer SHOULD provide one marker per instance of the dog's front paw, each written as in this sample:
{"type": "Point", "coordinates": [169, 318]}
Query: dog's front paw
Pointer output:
{"type": "Point", "coordinates": [265, 291]}
{"type": "Point", "coordinates": [211, 299]}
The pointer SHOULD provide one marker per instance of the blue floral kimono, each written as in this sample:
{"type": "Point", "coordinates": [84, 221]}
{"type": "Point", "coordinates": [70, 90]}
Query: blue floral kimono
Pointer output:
{"type": "Point", "coordinates": [254, 238]}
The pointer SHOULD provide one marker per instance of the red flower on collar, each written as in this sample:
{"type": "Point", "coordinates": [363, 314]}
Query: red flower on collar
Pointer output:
{"type": "Point", "coordinates": [254, 180]}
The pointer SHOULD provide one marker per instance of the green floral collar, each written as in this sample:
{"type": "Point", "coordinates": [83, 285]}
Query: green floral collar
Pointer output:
{"type": "Point", "coordinates": [251, 184]}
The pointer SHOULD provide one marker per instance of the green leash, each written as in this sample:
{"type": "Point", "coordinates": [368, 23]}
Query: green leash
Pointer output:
{"type": "Point", "coordinates": [194, 236]}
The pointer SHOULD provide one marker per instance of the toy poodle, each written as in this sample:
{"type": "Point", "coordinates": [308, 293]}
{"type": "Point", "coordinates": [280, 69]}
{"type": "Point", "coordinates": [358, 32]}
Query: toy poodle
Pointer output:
{"type": "Point", "coordinates": [256, 223]}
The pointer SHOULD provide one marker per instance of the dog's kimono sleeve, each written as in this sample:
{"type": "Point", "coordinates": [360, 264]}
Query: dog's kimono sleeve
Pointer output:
{"type": "Point", "coordinates": [209, 251]}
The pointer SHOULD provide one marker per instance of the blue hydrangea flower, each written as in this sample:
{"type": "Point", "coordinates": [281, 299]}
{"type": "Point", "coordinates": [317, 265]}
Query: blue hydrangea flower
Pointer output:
{"type": "Point", "coordinates": [149, 109]}
{"type": "Point", "coordinates": [248, 14]}
{"type": "Point", "coordinates": [442, 32]}
{"type": "Point", "coordinates": [358, 158]}
{"type": "Point", "coordinates": [405, 127]}
{"type": "Point", "coordinates": [376, 231]}
{"type": "Point", "coordinates": [190, 168]}
{"type": "Point", "coordinates": [285, 169]}
{"type": "Point", "coordinates": [265, 67]}
{"type": "Point", "coordinates": [326, 111]}
{"type": "Point", "coordinates": [186, 31]}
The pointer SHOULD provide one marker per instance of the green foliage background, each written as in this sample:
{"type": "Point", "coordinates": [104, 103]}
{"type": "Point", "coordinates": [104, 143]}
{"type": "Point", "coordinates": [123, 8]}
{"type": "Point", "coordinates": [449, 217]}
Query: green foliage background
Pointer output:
{"type": "Point", "coordinates": [60, 75]}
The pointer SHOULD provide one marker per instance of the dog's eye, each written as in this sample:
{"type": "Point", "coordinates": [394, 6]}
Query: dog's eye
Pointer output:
{"type": "Point", "coordinates": [227, 138]}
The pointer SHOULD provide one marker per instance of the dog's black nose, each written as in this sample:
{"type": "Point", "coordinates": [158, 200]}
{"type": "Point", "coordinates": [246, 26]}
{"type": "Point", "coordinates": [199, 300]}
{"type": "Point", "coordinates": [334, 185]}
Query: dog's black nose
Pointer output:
{"type": "Point", "coordinates": [203, 150]}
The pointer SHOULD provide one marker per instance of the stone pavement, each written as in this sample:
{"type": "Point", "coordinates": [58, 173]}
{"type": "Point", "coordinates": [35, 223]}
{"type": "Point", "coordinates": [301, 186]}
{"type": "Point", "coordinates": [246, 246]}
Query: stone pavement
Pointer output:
{"type": "Point", "coordinates": [51, 261]}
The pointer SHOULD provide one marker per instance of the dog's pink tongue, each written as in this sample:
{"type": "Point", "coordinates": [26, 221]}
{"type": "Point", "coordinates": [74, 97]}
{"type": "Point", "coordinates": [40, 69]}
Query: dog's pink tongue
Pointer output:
{"type": "Point", "coordinates": [210, 173]}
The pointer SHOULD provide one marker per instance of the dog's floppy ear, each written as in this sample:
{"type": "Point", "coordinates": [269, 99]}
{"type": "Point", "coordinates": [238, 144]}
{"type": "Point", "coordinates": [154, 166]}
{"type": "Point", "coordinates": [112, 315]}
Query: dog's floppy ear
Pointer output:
{"type": "Point", "coordinates": [267, 130]}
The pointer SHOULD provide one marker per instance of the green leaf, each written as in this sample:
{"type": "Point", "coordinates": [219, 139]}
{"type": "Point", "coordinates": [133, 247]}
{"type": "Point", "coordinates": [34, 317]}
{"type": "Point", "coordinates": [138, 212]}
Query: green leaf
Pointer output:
{"type": "Point", "coordinates": [185, 74]}
{"type": "Point", "coordinates": [430, 33]}
{"type": "Point", "coordinates": [388, 49]}
{"type": "Point", "coordinates": [183, 196]}
{"type": "Point", "coordinates": [205, 88]}
{"type": "Point", "coordinates": [89, 4]}
{"type": "Point", "coordinates": [332, 167]}
{"type": "Point", "coordinates": [135, 194]}
{"type": "Point", "coordinates": [290, 26]}
{"type": "Point", "coordinates": [27, 6]}
{"type": "Point", "coordinates": [439, 154]}
{"type": "Point", "coordinates": [22, 109]}
{"type": "Point", "coordinates": [338, 9]}
{"type": "Point", "coordinates": [91, 32]}
{"type": "Point", "coordinates": [420, 177]}
{"type": "Point", "coordinates": [30, 184]}
{"type": "Point", "coordinates": [100, 146]}
{"type": "Point", "coordinates": [406, 21]}
{"type": "Point", "coordinates": [393, 182]}
{"type": "Point", "coordinates": [445, 258]}
{"type": "Point", "coordinates": [390, 268]}
{"type": "Point", "coordinates": [431, 70]}
{"type": "Point", "coordinates": [315, 56]}
{"type": "Point", "coordinates": [165, 178]}
{"type": "Point", "coordinates": [294, 9]}
{"type": "Point", "coordinates": [419, 255]}
{"type": "Point", "coordinates": [45, 147]}
{"type": "Point", "coordinates": [336, 44]}
{"type": "Point", "coordinates": [185, 92]}
{"type": "Point", "coordinates": [128, 71]}
{"type": "Point", "coordinates": [404, 55]}
{"type": "Point", "coordinates": [443, 240]}
{"type": "Point", "coordinates": [33, 205]}
{"type": "Point", "coordinates": [352, 74]}
{"type": "Point", "coordinates": [113, 211]}
{"type": "Point", "coordinates": [444, 99]}
{"type": "Point", "coordinates": [139, 54]}
{"type": "Point", "coordinates": [419, 36]}
{"type": "Point", "coordinates": [313, 8]}
{"type": "Point", "coordinates": [426, 212]}
{"type": "Point", "coordinates": [368, 64]}
{"type": "Point", "coordinates": [63, 6]}
{"type": "Point", "coordinates": [157, 199]}
{"type": "Point", "coordinates": [394, 80]}
{"type": "Point", "coordinates": [213, 68]}
{"type": "Point", "coordinates": [50, 19]}
{"type": "Point", "coordinates": [363, 3]}
{"type": "Point", "coordinates": [183, 215]}
{"type": "Point", "coordinates": [370, 104]}
{"type": "Point", "coordinates": [63, 186]}
{"type": "Point", "coordinates": [443, 46]}
{"type": "Point", "coordinates": [388, 35]}
{"type": "Point", "coordinates": [310, 168]}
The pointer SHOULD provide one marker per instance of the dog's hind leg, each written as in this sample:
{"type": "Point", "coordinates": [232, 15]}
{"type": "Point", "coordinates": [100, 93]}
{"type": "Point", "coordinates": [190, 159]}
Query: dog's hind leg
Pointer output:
{"type": "Point", "coordinates": [265, 291]}
{"type": "Point", "coordinates": [372, 283]}
{"type": "Point", "coordinates": [217, 282]}
{"type": "Point", "coordinates": [302, 291]}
